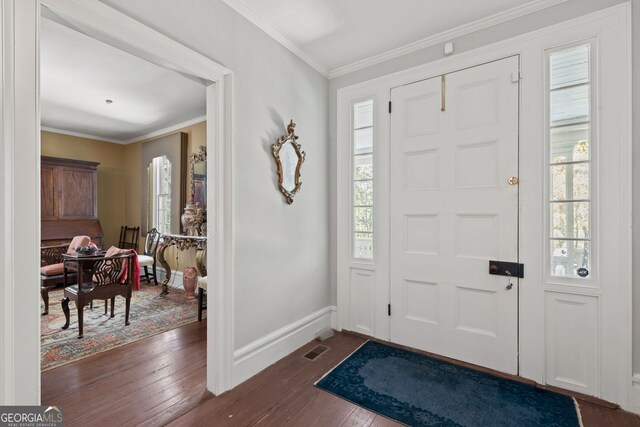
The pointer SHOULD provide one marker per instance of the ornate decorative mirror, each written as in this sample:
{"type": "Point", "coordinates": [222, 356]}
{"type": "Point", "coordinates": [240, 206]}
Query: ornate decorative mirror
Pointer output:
{"type": "Point", "coordinates": [289, 159]}
{"type": "Point", "coordinates": [194, 218]}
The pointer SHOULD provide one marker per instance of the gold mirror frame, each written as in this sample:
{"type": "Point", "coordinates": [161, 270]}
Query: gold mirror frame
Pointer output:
{"type": "Point", "coordinates": [194, 217]}
{"type": "Point", "coordinates": [291, 138]}
{"type": "Point", "coordinates": [194, 158]}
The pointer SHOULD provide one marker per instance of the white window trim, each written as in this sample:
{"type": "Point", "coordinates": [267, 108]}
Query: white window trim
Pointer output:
{"type": "Point", "coordinates": [354, 259]}
{"type": "Point", "coordinates": [592, 280]}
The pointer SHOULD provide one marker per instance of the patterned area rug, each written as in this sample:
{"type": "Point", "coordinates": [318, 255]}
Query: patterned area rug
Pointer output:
{"type": "Point", "coordinates": [150, 314]}
{"type": "Point", "coordinates": [422, 391]}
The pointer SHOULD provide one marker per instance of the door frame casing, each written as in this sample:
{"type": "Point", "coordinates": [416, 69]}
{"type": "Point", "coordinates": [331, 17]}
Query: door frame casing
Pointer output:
{"type": "Point", "coordinates": [530, 47]}
{"type": "Point", "coordinates": [22, 119]}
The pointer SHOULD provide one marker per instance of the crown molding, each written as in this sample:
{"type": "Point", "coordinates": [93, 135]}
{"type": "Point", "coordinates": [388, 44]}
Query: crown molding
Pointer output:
{"type": "Point", "coordinates": [257, 20]}
{"type": "Point", "coordinates": [153, 134]}
{"type": "Point", "coordinates": [80, 135]}
{"type": "Point", "coordinates": [448, 35]}
{"type": "Point", "coordinates": [495, 19]}
{"type": "Point", "coordinates": [166, 130]}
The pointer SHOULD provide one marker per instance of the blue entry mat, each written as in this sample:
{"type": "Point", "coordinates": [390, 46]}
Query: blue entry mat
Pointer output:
{"type": "Point", "coordinates": [418, 390]}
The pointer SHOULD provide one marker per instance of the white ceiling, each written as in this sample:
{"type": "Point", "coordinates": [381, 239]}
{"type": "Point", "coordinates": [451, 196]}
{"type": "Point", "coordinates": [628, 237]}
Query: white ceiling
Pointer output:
{"type": "Point", "coordinates": [78, 73]}
{"type": "Point", "coordinates": [339, 36]}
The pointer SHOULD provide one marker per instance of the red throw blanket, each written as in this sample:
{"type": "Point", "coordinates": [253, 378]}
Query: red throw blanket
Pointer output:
{"type": "Point", "coordinates": [135, 280]}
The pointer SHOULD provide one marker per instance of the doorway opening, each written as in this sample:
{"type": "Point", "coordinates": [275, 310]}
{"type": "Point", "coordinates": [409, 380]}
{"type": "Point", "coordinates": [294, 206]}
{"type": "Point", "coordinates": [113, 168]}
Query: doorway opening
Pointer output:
{"type": "Point", "coordinates": [117, 30]}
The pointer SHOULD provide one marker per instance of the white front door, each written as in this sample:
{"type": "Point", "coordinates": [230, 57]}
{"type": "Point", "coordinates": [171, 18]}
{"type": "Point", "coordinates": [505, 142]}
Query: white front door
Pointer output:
{"type": "Point", "coordinates": [454, 147]}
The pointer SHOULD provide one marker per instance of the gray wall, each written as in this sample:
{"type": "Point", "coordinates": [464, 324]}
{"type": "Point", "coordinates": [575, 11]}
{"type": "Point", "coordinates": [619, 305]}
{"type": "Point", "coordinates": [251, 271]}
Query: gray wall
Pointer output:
{"type": "Point", "coordinates": [281, 251]}
{"type": "Point", "coordinates": [562, 12]}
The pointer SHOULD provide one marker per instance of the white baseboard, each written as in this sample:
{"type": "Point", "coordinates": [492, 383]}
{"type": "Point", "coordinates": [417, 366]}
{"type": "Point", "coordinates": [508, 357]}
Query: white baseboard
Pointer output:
{"type": "Point", "coordinates": [254, 357]}
{"type": "Point", "coordinates": [634, 395]}
{"type": "Point", "coordinates": [334, 317]}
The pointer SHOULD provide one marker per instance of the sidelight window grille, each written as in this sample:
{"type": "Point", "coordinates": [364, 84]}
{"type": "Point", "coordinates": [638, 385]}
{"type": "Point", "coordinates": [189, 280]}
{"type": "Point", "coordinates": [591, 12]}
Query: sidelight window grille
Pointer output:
{"type": "Point", "coordinates": [362, 179]}
{"type": "Point", "coordinates": [571, 142]}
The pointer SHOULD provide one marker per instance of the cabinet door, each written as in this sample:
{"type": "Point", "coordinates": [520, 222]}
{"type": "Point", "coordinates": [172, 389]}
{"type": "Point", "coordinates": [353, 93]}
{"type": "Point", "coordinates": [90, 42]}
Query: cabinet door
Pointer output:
{"type": "Point", "coordinates": [78, 198]}
{"type": "Point", "coordinates": [49, 192]}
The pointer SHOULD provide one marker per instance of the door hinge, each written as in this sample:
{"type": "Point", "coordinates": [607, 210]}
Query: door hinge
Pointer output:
{"type": "Point", "coordinates": [389, 309]}
{"type": "Point", "coordinates": [389, 107]}
{"type": "Point", "coordinates": [516, 76]}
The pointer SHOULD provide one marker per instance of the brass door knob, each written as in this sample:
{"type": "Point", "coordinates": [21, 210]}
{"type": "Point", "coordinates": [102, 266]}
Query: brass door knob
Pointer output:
{"type": "Point", "coordinates": [513, 180]}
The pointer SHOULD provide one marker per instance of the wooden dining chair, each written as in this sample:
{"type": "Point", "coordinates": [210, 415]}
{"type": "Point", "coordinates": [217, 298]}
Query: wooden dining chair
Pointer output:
{"type": "Point", "coordinates": [202, 289]}
{"type": "Point", "coordinates": [148, 258]}
{"type": "Point", "coordinates": [129, 237]}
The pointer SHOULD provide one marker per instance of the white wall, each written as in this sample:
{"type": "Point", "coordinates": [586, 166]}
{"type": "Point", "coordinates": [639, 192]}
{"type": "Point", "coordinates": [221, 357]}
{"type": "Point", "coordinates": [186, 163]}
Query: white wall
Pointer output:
{"type": "Point", "coordinates": [562, 12]}
{"type": "Point", "coordinates": [281, 251]}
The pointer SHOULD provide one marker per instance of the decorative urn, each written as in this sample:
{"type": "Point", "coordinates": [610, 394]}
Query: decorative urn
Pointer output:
{"type": "Point", "coordinates": [189, 278]}
{"type": "Point", "coordinates": [189, 219]}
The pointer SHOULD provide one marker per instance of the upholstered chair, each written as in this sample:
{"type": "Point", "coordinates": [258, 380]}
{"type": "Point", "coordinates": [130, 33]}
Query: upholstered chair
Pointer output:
{"type": "Point", "coordinates": [52, 269]}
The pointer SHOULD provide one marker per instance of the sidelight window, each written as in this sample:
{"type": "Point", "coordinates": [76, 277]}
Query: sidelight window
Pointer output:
{"type": "Point", "coordinates": [570, 136]}
{"type": "Point", "coordinates": [362, 179]}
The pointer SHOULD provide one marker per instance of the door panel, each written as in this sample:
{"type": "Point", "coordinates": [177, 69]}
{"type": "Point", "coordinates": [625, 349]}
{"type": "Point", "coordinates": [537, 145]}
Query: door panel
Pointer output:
{"type": "Point", "coordinates": [452, 211]}
{"type": "Point", "coordinates": [49, 193]}
{"type": "Point", "coordinates": [75, 202]}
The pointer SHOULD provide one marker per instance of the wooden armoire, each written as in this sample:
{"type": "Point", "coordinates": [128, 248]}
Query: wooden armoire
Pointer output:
{"type": "Point", "coordinates": [69, 201]}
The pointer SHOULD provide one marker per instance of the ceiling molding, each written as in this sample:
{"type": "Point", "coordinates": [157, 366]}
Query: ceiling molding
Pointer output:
{"type": "Point", "coordinates": [153, 134]}
{"type": "Point", "coordinates": [495, 19]}
{"type": "Point", "coordinates": [166, 130]}
{"type": "Point", "coordinates": [257, 20]}
{"type": "Point", "coordinates": [80, 135]}
{"type": "Point", "coordinates": [448, 35]}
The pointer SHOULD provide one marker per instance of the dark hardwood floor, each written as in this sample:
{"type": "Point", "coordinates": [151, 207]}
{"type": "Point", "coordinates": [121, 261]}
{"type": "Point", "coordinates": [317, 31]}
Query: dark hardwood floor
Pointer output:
{"type": "Point", "coordinates": [161, 381]}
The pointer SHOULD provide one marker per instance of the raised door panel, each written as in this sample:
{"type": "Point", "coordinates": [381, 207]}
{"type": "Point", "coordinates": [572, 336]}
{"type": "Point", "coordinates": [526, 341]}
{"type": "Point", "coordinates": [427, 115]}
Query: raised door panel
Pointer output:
{"type": "Point", "coordinates": [571, 331]}
{"type": "Point", "coordinates": [78, 198]}
{"type": "Point", "coordinates": [362, 298]}
{"type": "Point", "coordinates": [49, 193]}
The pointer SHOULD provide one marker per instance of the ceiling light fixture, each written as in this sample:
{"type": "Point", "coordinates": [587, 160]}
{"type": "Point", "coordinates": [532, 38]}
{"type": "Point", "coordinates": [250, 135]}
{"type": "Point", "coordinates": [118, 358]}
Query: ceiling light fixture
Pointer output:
{"type": "Point", "coordinates": [108, 101]}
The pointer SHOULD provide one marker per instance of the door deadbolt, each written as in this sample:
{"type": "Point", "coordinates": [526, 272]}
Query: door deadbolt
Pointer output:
{"type": "Point", "coordinates": [513, 180]}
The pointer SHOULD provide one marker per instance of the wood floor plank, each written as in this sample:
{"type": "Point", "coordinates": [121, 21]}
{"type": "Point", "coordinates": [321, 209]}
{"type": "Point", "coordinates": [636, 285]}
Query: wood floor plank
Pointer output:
{"type": "Point", "coordinates": [91, 370]}
{"type": "Point", "coordinates": [312, 411]}
{"type": "Point", "coordinates": [360, 417]}
{"type": "Point", "coordinates": [600, 416]}
{"type": "Point", "coordinates": [172, 411]}
{"type": "Point", "coordinates": [131, 382]}
{"type": "Point", "coordinates": [380, 421]}
{"type": "Point", "coordinates": [148, 402]}
{"type": "Point", "coordinates": [162, 381]}
{"type": "Point", "coordinates": [282, 385]}
{"type": "Point", "coordinates": [335, 414]}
